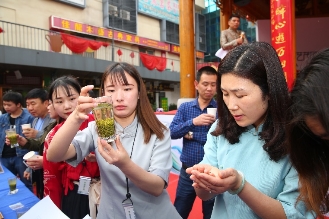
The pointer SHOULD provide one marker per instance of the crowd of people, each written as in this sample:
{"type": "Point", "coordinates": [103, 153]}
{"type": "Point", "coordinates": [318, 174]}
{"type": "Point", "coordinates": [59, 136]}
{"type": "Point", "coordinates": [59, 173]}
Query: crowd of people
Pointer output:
{"type": "Point", "coordinates": [264, 155]}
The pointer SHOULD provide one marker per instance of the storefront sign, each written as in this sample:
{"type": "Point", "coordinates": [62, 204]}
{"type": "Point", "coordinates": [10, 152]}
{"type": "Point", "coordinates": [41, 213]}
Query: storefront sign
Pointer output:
{"type": "Point", "coordinates": [176, 49]}
{"type": "Point", "coordinates": [163, 9]}
{"type": "Point", "coordinates": [65, 24]}
{"type": "Point", "coordinates": [199, 54]}
{"type": "Point", "coordinates": [283, 37]}
{"type": "Point", "coordinates": [79, 3]}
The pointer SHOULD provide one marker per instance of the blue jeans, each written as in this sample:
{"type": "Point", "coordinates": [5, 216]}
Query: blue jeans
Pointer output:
{"type": "Point", "coordinates": [16, 166]}
{"type": "Point", "coordinates": [185, 196]}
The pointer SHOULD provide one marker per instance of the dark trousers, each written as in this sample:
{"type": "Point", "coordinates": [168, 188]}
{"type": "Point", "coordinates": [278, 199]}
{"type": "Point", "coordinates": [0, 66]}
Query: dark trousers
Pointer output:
{"type": "Point", "coordinates": [185, 196]}
{"type": "Point", "coordinates": [74, 205]}
{"type": "Point", "coordinates": [37, 178]}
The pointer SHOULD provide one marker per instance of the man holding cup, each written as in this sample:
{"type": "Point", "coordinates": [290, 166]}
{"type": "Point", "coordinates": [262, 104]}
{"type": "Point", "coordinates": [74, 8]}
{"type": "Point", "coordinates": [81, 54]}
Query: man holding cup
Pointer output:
{"type": "Point", "coordinates": [232, 37]}
{"type": "Point", "coordinates": [192, 123]}
{"type": "Point", "coordinates": [37, 102]}
{"type": "Point", "coordinates": [12, 158]}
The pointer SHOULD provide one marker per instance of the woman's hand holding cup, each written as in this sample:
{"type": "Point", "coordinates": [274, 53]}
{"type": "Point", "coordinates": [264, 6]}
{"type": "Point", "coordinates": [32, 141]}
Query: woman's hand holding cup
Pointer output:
{"type": "Point", "coordinates": [85, 103]}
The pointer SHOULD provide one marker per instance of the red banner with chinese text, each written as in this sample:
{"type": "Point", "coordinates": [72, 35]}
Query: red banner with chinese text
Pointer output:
{"type": "Point", "coordinates": [283, 36]}
{"type": "Point", "coordinates": [69, 25]}
{"type": "Point", "coordinates": [57, 23]}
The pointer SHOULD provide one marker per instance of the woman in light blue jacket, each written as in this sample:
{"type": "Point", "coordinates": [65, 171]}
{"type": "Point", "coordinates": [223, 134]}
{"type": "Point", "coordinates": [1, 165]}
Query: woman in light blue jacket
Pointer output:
{"type": "Point", "coordinates": [245, 167]}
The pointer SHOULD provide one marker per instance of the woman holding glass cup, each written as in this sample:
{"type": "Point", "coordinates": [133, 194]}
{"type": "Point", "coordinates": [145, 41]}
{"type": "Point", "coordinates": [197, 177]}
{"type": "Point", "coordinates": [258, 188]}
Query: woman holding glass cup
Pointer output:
{"type": "Point", "coordinates": [134, 167]}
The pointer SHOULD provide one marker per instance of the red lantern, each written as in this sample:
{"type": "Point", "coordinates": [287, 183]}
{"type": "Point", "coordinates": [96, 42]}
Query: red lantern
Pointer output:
{"type": "Point", "coordinates": [119, 52]}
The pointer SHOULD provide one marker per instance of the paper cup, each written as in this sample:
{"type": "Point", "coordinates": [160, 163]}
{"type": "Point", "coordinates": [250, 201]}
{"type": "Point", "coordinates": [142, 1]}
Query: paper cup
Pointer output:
{"type": "Point", "coordinates": [29, 155]}
{"type": "Point", "coordinates": [25, 126]}
{"type": "Point", "coordinates": [212, 111]}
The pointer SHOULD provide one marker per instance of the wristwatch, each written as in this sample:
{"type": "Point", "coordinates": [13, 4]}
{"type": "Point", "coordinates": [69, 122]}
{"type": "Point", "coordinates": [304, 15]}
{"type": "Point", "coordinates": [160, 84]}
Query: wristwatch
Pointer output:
{"type": "Point", "coordinates": [190, 134]}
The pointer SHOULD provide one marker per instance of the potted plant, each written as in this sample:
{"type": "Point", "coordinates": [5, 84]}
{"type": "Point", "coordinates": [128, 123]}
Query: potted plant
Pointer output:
{"type": "Point", "coordinates": [172, 106]}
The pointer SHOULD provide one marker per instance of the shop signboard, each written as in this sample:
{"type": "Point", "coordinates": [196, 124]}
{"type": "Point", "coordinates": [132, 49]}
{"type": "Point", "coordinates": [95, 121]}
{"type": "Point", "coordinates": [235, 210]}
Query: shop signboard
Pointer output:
{"type": "Point", "coordinates": [163, 9]}
{"type": "Point", "coordinates": [69, 25]}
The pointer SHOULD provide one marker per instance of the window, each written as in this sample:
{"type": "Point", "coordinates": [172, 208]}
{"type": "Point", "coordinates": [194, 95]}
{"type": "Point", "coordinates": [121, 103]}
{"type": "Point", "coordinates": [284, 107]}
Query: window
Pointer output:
{"type": "Point", "coordinates": [172, 32]}
{"type": "Point", "coordinates": [121, 15]}
{"type": "Point", "coordinates": [200, 32]}
{"type": "Point", "coordinates": [146, 50]}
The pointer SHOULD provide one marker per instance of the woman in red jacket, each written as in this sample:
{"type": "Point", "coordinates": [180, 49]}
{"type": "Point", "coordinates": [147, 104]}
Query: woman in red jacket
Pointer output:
{"type": "Point", "coordinates": [61, 181]}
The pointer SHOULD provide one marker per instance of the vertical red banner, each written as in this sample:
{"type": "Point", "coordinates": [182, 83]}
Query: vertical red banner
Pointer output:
{"type": "Point", "coordinates": [283, 36]}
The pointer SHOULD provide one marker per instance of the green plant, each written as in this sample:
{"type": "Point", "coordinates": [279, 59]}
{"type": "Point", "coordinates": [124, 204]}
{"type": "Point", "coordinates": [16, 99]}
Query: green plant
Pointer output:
{"type": "Point", "coordinates": [172, 106]}
{"type": "Point", "coordinates": [154, 107]}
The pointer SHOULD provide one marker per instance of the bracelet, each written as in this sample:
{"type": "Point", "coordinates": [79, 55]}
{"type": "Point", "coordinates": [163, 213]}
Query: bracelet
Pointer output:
{"type": "Point", "coordinates": [235, 192]}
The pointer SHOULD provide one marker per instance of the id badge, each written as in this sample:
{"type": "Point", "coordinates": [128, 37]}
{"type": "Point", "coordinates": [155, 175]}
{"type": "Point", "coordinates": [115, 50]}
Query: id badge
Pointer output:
{"type": "Point", "coordinates": [84, 183]}
{"type": "Point", "coordinates": [129, 210]}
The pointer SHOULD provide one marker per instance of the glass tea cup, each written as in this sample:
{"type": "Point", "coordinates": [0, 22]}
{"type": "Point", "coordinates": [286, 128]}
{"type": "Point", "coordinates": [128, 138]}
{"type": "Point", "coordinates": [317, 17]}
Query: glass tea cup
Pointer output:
{"type": "Point", "coordinates": [12, 136]}
{"type": "Point", "coordinates": [12, 185]}
{"type": "Point", "coordinates": [104, 118]}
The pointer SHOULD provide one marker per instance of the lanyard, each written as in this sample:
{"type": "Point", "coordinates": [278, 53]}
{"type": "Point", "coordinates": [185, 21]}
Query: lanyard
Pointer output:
{"type": "Point", "coordinates": [128, 195]}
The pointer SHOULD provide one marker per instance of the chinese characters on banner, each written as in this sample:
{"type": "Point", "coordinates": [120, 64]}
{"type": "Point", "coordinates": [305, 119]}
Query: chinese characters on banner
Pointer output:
{"type": "Point", "coordinates": [58, 23]}
{"type": "Point", "coordinates": [65, 24]}
{"type": "Point", "coordinates": [283, 36]}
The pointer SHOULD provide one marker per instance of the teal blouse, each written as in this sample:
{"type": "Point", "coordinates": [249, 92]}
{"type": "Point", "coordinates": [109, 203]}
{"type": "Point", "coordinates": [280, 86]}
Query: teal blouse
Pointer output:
{"type": "Point", "coordinates": [278, 180]}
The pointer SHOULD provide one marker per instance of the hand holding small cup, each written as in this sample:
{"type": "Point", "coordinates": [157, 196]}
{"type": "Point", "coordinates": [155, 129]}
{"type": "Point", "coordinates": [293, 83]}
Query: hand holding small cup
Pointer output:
{"type": "Point", "coordinates": [25, 126]}
{"type": "Point", "coordinates": [33, 160]}
{"type": "Point", "coordinates": [28, 131]}
{"type": "Point", "coordinates": [212, 111]}
{"type": "Point", "coordinates": [12, 136]}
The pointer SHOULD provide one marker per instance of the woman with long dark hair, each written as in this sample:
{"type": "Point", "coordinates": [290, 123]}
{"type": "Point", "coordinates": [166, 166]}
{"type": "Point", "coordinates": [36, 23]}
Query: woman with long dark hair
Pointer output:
{"type": "Point", "coordinates": [308, 132]}
{"type": "Point", "coordinates": [135, 167]}
{"type": "Point", "coordinates": [245, 167]}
